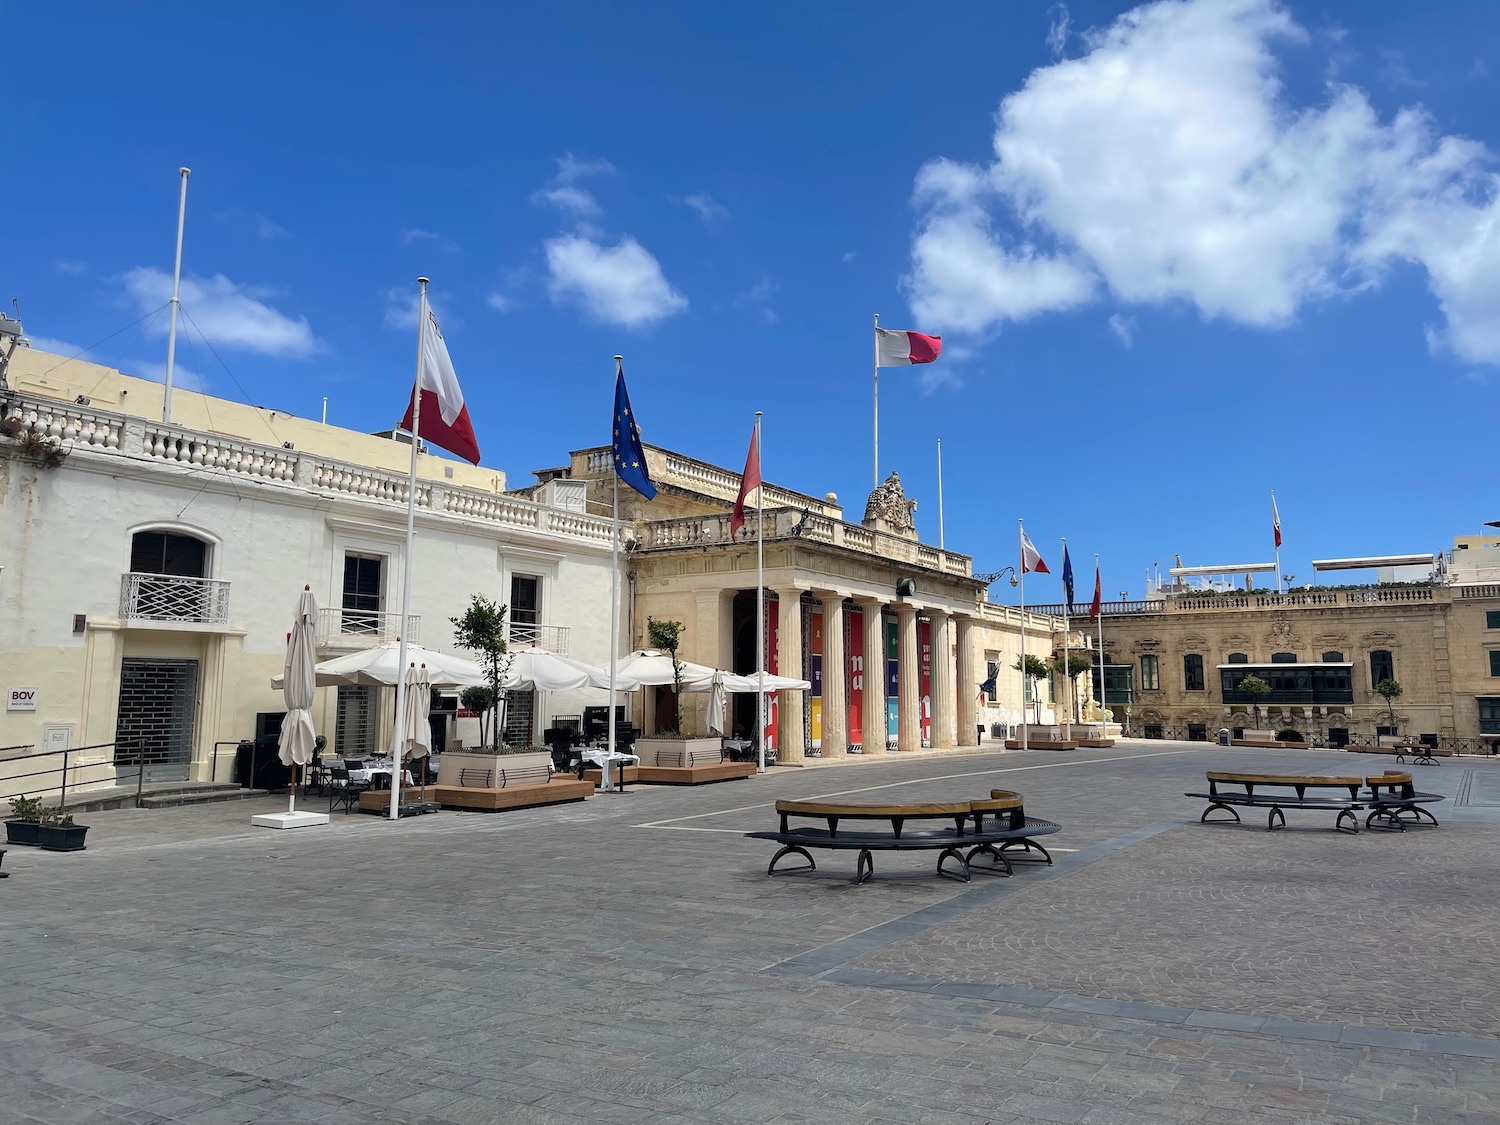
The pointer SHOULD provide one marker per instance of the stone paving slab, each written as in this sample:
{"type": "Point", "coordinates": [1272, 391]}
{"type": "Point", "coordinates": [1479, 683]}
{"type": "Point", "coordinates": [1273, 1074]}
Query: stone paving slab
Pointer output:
{"type": "Point", "coordinates": [616, 961]}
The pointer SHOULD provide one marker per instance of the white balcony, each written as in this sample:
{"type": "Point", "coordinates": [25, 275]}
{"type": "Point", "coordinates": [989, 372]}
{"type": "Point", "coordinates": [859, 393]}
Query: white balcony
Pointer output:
{"type": "Point", "coordinates": [553, 638]}
{"type": "Point", "coordinates": [173, 598]}
{"type": "Point", "coordinates": [364, 628]}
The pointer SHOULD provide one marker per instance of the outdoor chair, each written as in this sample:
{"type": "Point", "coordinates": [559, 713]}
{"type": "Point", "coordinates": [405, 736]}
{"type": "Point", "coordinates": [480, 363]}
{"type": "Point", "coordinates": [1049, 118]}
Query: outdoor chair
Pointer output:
{"type": "Point", "coordinates": [343, 791]}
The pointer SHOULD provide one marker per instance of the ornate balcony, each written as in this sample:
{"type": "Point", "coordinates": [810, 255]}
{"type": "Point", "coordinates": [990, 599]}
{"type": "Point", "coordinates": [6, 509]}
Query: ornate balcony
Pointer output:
{"type": "Point", "coordinates": [552, 638]}
{"type": "Point", "coordinates": [363, 628]}
{"type": "Point", "coordinates": [173, 598]}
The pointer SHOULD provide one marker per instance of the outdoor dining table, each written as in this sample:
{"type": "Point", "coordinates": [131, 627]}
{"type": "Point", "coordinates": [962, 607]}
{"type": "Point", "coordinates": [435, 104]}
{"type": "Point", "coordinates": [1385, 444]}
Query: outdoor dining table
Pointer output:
{"type": "Point", "coordinates": [601, 757]}
{"type": "Point", "coordinates": [378, 771]}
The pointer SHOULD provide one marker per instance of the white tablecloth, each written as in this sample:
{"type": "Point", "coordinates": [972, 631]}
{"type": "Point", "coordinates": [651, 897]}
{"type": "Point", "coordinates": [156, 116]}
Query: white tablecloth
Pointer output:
{"type": "Point", "coordinates": [606, 763]}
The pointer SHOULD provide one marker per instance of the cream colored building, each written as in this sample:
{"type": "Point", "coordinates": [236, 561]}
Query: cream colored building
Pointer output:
{"type": "Point", "coordinates": [150, 570]}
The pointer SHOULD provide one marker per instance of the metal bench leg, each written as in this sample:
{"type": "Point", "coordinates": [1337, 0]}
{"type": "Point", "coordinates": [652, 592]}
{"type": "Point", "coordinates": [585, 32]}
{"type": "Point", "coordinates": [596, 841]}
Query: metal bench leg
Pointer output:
{"type": "Point", "coordinates": [1353, 828]}
{"type": "Point", "coordinates": [1204, 818]}
{"type": "Point", "coordinates": [791, 849]}
{"type": "Point", "coordinates": [1001, 865]}
{"type": "Point", "coordinates": [1421, 812]}
{"type": "Point", "coordinates": [1027, 846]}
{"type": "Point", "coordinates": [1390, 821]}
{"type": "Point", "coordinates": [962, 875]}
{"type": "Point", "coordinates": [1274, 815]}
{"type": "Point", "coordinates": [864, 867]}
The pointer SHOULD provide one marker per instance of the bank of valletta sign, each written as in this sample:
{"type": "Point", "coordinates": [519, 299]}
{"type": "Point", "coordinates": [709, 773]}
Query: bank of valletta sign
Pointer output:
{"type": "Point", "coordinates": [20, 699]}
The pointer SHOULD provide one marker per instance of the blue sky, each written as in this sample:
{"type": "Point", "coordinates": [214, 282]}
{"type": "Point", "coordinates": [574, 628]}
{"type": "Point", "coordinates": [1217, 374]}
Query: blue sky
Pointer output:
{"type": "Point", "coordinates": [1180, 254]}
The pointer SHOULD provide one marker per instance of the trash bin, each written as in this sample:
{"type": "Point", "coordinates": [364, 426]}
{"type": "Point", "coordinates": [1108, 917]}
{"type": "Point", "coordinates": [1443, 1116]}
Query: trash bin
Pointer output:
{"type": "Point", "coordinates": [979, 733]}
{"type": "Point", "coordinates": [1223, 736]}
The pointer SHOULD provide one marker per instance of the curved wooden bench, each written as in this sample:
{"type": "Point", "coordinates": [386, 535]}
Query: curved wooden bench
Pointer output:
{"type": "Point", "coordinates": [909, 827]}
{"type": "Point", "coordinates": [1279, 802]}
{"type": "Point", "coordinates": [1395, 803]}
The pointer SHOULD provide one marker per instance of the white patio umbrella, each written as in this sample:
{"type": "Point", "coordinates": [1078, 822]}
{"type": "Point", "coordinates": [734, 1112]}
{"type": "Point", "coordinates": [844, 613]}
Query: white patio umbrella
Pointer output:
{"type": "Point", "coordinates": [380, 666]}
{"type": "Point", "coordinates": [418, 737]}
{"type": "Point", "coordinates": [752, 682]}
{"type": "Point", "coordinates": [297, 734]}
{"type": "Point", "coordinates": [549, 671]}
{"type": "Point", "coordinates": [717, 704]}
{"type": "Point", "coordinates": [650, 668]}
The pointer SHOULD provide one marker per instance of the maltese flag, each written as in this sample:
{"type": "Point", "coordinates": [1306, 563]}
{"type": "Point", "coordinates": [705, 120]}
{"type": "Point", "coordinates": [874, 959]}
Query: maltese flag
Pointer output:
{"type": "Point", "coordinates": [1031, 558]}
{"type": "Point", "coordinates": [900, 349]}
{"type": "Point", "coordinates": [445, 418]}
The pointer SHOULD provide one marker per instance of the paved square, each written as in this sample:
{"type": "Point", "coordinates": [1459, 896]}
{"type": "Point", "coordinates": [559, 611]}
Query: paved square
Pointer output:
{"type": "Point", "coordinates": [628, 960]}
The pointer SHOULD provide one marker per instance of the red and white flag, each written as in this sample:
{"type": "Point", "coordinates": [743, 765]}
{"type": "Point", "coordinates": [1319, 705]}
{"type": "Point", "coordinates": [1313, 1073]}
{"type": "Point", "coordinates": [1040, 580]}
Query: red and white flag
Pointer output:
{"type": "Point", "coordinates": [900, 349]}
{"type": "Point", "coordinates": [1098, 603]}
{"type": "Point", "coordinates": [1275, 520]}
{"type": "Point", "coordinates": [749, 482]}
{"type": "Point", "coordinates": [445, 418]}
{"type": "Point", "coordinates": [1031, 558]}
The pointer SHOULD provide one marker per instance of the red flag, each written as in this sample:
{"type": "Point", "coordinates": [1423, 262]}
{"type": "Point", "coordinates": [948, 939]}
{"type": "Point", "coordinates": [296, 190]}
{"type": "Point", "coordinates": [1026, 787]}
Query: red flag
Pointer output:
{"type": "Point", "coordinates": [1098, 605]}
{"type": "Point", "coordinates": [1031, 558]}
{"type": "Point", "coordinates": [1275, 520]}
{"type": "Point", "coordinates": [445, 418]}
{"type": "Point", "coordinates": [901, 349]}
{"type": "Point", "coordinates": [749, 481]}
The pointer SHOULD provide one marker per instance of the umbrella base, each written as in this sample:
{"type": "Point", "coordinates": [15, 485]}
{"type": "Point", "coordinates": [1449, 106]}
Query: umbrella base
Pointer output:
{"type": "Point", "coordinates": [289, 820]}
{"type": "Point", "coordinates": [413, 808]}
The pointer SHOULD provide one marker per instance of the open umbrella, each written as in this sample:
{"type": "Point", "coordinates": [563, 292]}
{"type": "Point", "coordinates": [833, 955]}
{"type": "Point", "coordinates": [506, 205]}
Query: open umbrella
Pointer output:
{"type": "Point", "coordinates": [380, 666]}
{"type": "Point", "coordinates": [417, 742]}
{"type": "Point", "coordinates": [297, 734]}
{"type": "Point", "coordinates": [650, 668]}
{"type": "Point", "coordinates": [549, 671]}
{"type": "Point", "coordinates": [752, 682]}
{"type": "Point", "coordinates": [717, 704]}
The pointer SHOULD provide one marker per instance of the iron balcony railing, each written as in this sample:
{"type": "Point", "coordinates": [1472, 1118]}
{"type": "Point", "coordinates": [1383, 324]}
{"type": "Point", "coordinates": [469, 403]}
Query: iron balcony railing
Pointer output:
{"type": "Point", "coordinates": [1292, 695]}
{"type": "Point", "coordinates": [523, 634]}
{"type": "Point", "coordinates": [170, 597]}
{"type": "Point", "coordinates": [363, 628]}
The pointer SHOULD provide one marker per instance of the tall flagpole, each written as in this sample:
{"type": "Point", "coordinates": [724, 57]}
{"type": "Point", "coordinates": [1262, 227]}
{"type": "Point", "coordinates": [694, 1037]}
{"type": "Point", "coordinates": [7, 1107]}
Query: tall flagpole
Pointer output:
{"type": "Point", "coordinates": [166, 402]}
{"type": "Point", "coordinates": [1025, 679]}
{"type": "Point", "coordinates": [1067, 658]}
{"type": "Point", "coordinates": [940, 493]}
{"type": "Point", "coordinates": [399, 751]}
{"type": "Point", "coordinates": [1101, 640]}
{"type": "Point", "coordinates": [614, 606]}
{"type": "Point", "coordinates": [760, 602]}
{"type": "Point", "coordinates": [876, 337]}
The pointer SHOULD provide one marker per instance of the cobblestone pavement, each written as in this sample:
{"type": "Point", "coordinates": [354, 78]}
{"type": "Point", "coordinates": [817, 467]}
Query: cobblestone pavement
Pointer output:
{"type": "Point", "coordinates": [627, 960]}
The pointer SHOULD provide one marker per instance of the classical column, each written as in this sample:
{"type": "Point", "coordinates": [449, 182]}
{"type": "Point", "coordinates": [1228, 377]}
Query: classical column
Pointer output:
{"type": "Point", "coordinates": [968, 683]}
{"type": "Point", "coordinates": [908, 701]}
{"type": "Point", "coordinates": [872, 714]}
{"type": "Point", "coordinates": [789, 728]}
{"type": "Point", "coordinates": [942, 680]}
{"type": "Point", "coordinates": [835, 674]}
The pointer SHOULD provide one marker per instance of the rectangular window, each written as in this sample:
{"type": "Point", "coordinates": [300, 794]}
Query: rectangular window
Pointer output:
{"type": "Point", "coordinates": [1150, 674]}
{"type": "Point", "coordinates": [525, 609]}
{"type": "Point", "coordinates": [1489, 714]}
{"type": "Point", "coordinates": [1197, 732]}
{"type": "Point", "coordinates": [1382, 667]}
{"type": "Point", "coordinates": [1152, 730]}
{"type": "Point", "coordinates": [1495, 663]}
{"type": "Point", "coordinates": [1192, 672]}
{"type": "Point", "coordinates": [363, 593]}
{"type": "Point", "coordinates": [1492, 619]}
{"type": "Point", "coordinates": [992, 678]}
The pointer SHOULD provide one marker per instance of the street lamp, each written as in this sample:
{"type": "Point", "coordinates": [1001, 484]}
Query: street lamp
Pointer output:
{"type": "Point", "coordinates": [1287, 580]}
{"type": "Point", "coordinates": [995, 576]}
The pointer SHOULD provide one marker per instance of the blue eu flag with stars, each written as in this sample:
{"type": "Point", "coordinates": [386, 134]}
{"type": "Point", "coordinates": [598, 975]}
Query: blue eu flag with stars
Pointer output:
{"type": "Point", "coordinates": [630, 458]}
{"type": "Point", "coordinates": [1068, 578]}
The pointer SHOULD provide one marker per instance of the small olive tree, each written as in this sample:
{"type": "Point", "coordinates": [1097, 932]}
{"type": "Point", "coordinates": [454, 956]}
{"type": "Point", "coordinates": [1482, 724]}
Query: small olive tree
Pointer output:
{"type": "Point", "coordinates": [1390, 690]}
{"type": "Point", "coordinates": [481, 630]}
{"type": "Point", "coordinates": [1257, 689]}
{"type": "Point", "coordinates": [666, 636]}
{"type": "Point", "coordinates": [480, 700]}
{"type": "Point", "coordinates": [1032, 668]}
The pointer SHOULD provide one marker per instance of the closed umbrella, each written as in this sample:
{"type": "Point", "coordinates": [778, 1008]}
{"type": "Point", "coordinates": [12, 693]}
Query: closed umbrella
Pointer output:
{"type": "Point", "coordinates": [717, 704]}
{"type": "Point", "coordinates": [418, 737]}
{"type": "Point", "coordinates": [298, 676]}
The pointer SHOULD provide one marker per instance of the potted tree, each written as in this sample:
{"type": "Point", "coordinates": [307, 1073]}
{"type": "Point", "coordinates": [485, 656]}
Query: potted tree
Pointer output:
{"type": "Point", "coordinates": [1257, 689]}
{"type": "Point", "coordinates": [667, 637]}
{"type": "Point", "coordinates": [1390, 691]}
{"type": "Point", "coordinates": [25, 820]}
{"type": "Point", "coordinates": [1035, 670]}
{"type": "Point", "coordinates": [481, 630]}
{"type": "Point", "coordinates": [1070, 666]}
{"type": "Point", "coordinates": [58, 833]}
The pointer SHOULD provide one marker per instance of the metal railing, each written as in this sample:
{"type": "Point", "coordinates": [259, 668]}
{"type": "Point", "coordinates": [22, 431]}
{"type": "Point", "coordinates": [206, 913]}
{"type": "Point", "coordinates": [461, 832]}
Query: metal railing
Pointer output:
{"type": "Point", "coordinates": [170, 597]}
{"type": "Point", "coordinates": [361, 628]}
{"type": "Point", "coordinates": [552, 638]}
{"type": "Point", "coordinates": [60, 770]}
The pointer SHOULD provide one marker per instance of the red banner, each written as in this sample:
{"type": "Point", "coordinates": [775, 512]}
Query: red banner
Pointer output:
{"type": "Point", "coordinates": [854, 646]}
{"type": "Point", "coordinates": [924, 676]}
{"type": "Point", "coordinates": [773, 637]}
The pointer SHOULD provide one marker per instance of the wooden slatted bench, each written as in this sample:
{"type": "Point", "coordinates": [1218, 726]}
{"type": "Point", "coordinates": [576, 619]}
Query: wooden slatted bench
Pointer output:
{"type": "Point", "coordinates": [1400, 751]}
{"type": "Point", "coordinates": [1278, 800]}
{"type": "Point", "coordinates": [1395, 803]}
{"type": "Point", "coordinates": [689, 767]}
{"type": "Point", "coordinates": [519, 786]}
{"type": "Point", "coordinates": [959, 831]}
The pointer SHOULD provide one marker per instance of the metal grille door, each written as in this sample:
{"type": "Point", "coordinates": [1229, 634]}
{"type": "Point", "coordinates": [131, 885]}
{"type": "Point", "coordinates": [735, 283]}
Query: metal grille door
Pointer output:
{"type": "Point", "coordinates": [354, 725]}
{"type": "Point", "coordinates": [520, 717]}
{"type": "Point", "coordinates": [154, 727]}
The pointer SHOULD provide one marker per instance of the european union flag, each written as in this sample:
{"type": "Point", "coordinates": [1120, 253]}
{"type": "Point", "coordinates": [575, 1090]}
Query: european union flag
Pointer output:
{"type": "Point", "coordinates": [630, 458]}
{"type": "Point", "coordinates": [1068, 577]}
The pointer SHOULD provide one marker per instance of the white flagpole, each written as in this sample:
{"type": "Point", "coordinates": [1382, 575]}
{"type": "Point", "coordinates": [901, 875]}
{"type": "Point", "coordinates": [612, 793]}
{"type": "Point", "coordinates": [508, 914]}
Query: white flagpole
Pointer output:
{"type": "Point", "coordinates": [398, 752]}
{"type": "Point", "coordinates": [760, 602]}
{"type": "Point", "coordinates": [1101, 639]}
{"type": "Point", "coordinates": [614, 606]}
{"type": "Point", "coordinates": [1277, 514]}
{"type": "Point", "coordinates": [941, 545]}
{"type": "Point", "coordinates": [1025, 680]}
{"type": "Point", "coordinates": [1067, 659]}
{"type": "Point", "coordinates": [876, 337]}
{"type": "Point", "coordinates": [166, 402]}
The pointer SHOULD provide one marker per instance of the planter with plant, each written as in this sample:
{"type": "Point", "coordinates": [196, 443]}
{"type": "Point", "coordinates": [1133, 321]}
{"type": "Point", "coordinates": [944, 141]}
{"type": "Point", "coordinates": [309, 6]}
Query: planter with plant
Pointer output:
{"type": "Point", "coordinates": [666, 636]}
{"type": "Point", "coordinates": [58, 833]}
{"type": "Point", "coordinates": [481, 630]}
{"type": "Point", "coordinates": [25, 820]}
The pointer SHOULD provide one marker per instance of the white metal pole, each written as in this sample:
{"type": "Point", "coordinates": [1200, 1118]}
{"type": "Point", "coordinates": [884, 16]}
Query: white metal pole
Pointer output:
{"type": "Point", "coordinates": [614, 607]}
{"type": "Point", "coordinates": [1101, 640]}
{"type": "Point", "coordinates": [166, 402]}
{"type": "Point", "coordinates": [1025, 680]}
{"type": "Point", "coordinates": [941, 544]}
{"type": "Point", "coordinates": [760, 603]}
{"type": "Point", "coordinates": [398, 751]}
{"type": "Point", "coordinates": [1067, 661]}
{"type": "Point", "coordinates": [325, 410]}
{"type": "Point", "coordinates": [876, 337]}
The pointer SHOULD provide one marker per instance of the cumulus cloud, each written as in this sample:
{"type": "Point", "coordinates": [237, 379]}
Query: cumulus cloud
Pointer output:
{"type": "Point", "coordinates": [154, 370]}
{"type": "Point", "coordinates": [563, 191]}
{"type": "Point", "coordinates": [621, 284]}
{"type": "Point", "coordinates": [1058, 22]}
{"type": "Point", "coordinates": [228, 314]}
{"type": "Point", "coordinates": [1168, 164]}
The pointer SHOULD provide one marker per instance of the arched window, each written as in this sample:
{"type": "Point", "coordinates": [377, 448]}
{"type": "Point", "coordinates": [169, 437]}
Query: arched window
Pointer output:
{"type": "Point", "coordinates": [1333, 658]}
{"type": "Point", "coordinates": [1192, 672]}
{"type": "Point", "coordinates": [1237, 658]}
{"type": "Point", "coordinates": [1283, 658]}
{"type": "Point", "coordinates": [1382, 667]}
{"type": "Point", "coordinates": [168, 552]}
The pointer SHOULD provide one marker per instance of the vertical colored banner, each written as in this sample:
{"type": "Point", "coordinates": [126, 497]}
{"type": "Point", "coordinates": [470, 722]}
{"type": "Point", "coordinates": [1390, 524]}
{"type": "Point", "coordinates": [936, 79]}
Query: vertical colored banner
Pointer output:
{"type": "Point", "coordinates": [773, 639]}
{"type": "Point", "coordinates": [854, 645]}
{"type": "Point", "coordinates": [924, 677]}
{"type": "Point", "coordinates": [892, 682]}
{"type": "Point", "coordinates": [815, 675]}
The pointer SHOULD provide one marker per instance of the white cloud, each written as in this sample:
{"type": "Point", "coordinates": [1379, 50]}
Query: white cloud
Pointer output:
{"type": "Point", "coordinates": [499, 302]}
{"type": "Point", "coordinates": [228, 314]}
{"type": "Point", "coordinates": [432, 238]}
{"type": "Point", "coordinates": [849, 256]}
{"type": "Point", "coordinates": [1168, 164]}
{"type": "Point", "coordinates": [758, 297]}
{"type": "Point", "coordinates": [1058, 22]}
{"type": "Point", "coordinates": [621, 284]}
{"type": "Point", "coordinates": [59, 347]}
{"type": "Point", "coordinates": [155, 370]}
{"type": "Point", "coordinates": [404, 302]}
{"type": "Point", "coordinates": [705, 206]}
{"type": "Point", "coordinates": [1124, 329]}
{"type": "Point", "coordinates": [562, 190]}
{"type": "Point", "coordinates": [64, 265]}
